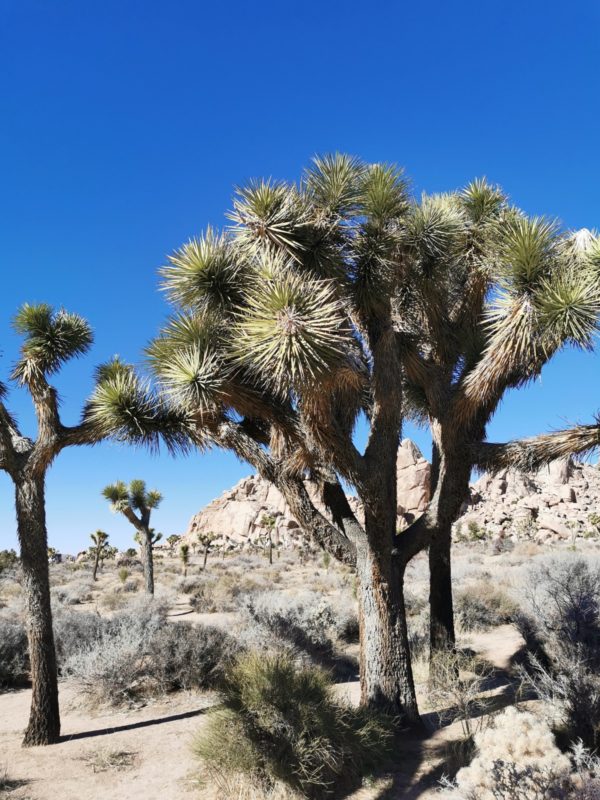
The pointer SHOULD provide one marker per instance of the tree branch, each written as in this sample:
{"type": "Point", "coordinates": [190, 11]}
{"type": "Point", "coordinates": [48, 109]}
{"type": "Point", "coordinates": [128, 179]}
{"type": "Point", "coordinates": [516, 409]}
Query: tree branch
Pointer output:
{"type": "Point", "coordinates": [531, 453]}
{"type": "Point", "coordinates": [233, 437]}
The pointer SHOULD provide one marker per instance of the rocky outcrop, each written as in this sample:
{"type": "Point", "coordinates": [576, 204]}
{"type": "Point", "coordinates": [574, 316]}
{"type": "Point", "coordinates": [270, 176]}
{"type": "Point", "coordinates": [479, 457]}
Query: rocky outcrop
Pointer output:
{"type": "Point", "coordinates": [235, 518]}
{"type": "Point", "coordinates": [558, 502]}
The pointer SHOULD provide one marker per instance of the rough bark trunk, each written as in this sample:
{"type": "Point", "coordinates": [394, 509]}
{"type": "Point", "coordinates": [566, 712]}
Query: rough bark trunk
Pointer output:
{"type": "Point", "coordinates": [205, 557]}
{"type": "Point", "coordinates": [44, 719]}
{"type": "Point", "coordinates": [385, 667]}
{"type": "Point", "coordinates": [148, 561]}
{"type": "Point", "coordinates": [452, 470]}
{"type": "Point", "coordinates": [441, 626]}
{"type": "Point", "coordinates": [96, 561]}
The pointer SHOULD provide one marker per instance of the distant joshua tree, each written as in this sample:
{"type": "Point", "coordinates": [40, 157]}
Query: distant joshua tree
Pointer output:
{"type": "Point", "coordinates": [173, 540]}
{"type": "Point", "coordinates": [206, 539]}
{"type": "Point", "coordinates": [268, 522]}
{"type": "Point", "coordinates": [184, 554]}
{"type": "Point", "coordinates": [137, 504]}
{"type": "Point", "coordinates": [99, 549]}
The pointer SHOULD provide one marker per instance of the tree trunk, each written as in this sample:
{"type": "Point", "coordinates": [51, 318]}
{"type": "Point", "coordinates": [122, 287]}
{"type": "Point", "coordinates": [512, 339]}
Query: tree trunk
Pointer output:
{"type": "Point", "coordinates": [450, 476]}
{"type": "Point", "coordinates": [148, 561]}
{"type": "Point", "coordinates": [205, 556]}
{"type": "Point", "coordinates": [270, 548]}
{"type": "Point", "coordinates": [44, 719]}
{"type": "Point", "coordinates": [386, 677]}
{"type": "Point", "coordinates": [441, 624]}
{"type": "Point", "coordinates": [96, 561]}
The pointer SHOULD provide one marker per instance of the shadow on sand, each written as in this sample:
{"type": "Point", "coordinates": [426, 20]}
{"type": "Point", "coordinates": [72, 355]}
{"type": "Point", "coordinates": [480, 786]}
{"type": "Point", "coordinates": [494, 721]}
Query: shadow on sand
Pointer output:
{"type": "Point", "coordinates": [132, 726]}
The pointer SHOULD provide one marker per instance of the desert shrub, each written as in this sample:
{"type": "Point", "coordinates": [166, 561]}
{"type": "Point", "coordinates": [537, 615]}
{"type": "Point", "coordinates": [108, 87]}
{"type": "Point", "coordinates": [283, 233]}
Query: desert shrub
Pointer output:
{"type": "Point", "coordinates": [225, 593]}
{"type": "Point", "coordinates": [418, 634]}
{"type": "Point", "coordinates": [14, 655]}
{"type": "Point", "coordinates": [8, 560]}
{"type": "Point", "coordinates": [347, 626]}
{"type": "Point", "coordinates": [482, 605]}
{"type": "Point", "coordinates": [561, 627]}
{"type": "Point", "coordinates": [304, 620]}
{"type": "Point", "coordinates": [74, 593]}
{"type": "Point", "coordinates": [280, 726]}
{"type": "Point", "coordinates": [186, 657]}
{"type": "Point", "coordinates": [74, 631]}
{"type": "Point", "coordinates": [516, 759]}
{"type": "Point", "coordinates": [138, 654]}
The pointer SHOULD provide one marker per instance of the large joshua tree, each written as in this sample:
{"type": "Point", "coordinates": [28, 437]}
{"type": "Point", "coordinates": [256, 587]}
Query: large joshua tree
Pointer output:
{"type": "Point", "coordinates": [284, 334]}
{"type": "Point", "coordinates": [343, 297]}
{"type": "Point", "coordinates": [136, 504]}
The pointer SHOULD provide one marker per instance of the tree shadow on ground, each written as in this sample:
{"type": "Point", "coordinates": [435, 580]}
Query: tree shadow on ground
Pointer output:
{"type": "Point", "coordinates": [146, 723]}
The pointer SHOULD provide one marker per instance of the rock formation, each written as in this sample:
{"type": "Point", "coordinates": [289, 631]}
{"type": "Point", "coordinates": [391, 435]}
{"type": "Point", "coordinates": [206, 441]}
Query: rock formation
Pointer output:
{"type": "Point", "coordinates": [558, 502]}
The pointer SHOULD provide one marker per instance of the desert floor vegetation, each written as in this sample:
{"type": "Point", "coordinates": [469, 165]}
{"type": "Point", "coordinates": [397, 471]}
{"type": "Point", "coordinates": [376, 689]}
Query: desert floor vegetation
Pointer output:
{"type": "Point", "coordinates": [248, 672]}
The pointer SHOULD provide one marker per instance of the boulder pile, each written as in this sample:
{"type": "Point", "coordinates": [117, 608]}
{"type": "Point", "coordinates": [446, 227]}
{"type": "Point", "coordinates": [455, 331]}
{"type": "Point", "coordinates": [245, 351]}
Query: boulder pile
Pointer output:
{"type": "Point", "coordinates": [561, 501]}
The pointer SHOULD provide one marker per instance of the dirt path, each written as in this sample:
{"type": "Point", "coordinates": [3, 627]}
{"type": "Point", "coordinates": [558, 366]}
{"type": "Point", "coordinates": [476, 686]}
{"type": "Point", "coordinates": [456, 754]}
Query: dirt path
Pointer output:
{"type": "Point", "coordinates": [156, 740]}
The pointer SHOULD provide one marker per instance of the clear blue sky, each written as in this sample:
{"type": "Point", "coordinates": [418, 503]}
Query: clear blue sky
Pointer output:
{"type": "Point", "coordinates": [124, 125]}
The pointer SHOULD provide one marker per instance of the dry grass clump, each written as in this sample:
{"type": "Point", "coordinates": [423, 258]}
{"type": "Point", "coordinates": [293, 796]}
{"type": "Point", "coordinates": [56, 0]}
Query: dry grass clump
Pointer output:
{"type": "Point", "coordinates": [280, 727]}
{"type": "Point", "coordinates": [482, 605]}
{"type": "Point", "coordinates": [106, 759]}
{"type": "Point", "coordinates": [516, 759]}
{"type": "Point", "coordinates": [456, 682]}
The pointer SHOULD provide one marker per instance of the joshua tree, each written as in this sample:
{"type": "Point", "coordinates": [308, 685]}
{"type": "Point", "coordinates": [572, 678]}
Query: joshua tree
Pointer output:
{"type": "Point", "coordinates": [173, 540]}
{"type": "Point", "coordinates": [50, 338]}
{"type": "Point", "coordinates": [206, 539]}
{"type": "Point", "coordinates": [99, 549]}
{"type": "Point", "coordinates": [500, 295]}
{"type": "Point", "coordinates": [343, 297]}
{"type": "Point", "coordinates": [283, 336]}
{"type": "Point", "coordinates": [268, 523]}
{"type": "Point", "coordinates": [136, 504]}
{"type": "Point", "coordinates": [184, 554]}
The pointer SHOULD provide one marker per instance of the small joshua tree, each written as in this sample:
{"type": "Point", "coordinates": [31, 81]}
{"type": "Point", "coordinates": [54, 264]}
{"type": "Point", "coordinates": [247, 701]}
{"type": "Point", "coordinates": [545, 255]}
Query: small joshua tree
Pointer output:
{"type": "Point", "coordinates": [137, 504]}
{"type": "Point", "coordinates": [173, 540]}
{"type": "Point", "coordinates": [268, 523]}
{"type": "Point", "coordinates": [184, 554]}
{"type": "Point", "coordinates": [99, 549]}
{"type": "Point", "coordinates": [206, 539]}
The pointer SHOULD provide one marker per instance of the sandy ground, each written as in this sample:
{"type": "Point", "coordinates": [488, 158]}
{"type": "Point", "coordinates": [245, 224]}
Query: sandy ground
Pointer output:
{"type": "Point", "coordinates": [156, 741]}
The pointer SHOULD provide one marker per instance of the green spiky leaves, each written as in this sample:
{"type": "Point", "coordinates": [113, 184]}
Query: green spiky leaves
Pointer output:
{"type": "Point", "coordinates": [384, 195]}
{"type": "Point", "coordinates": [291, 332]}
{"type": "Point", "coordinates": [135, 496]}
{"type": "Point", "coordinates": [189, 359]}
{"type": "Point", "coordinates": [117, 495]}
{"type": "Point", "coordinates": [51, 338]}
{"type": "Point", "coordinates": [270, 215]}
{"type": "Point", "coordinates": [481, 200]}
{"type": "Point", "coordinates": [334, 183]}
{"type": "Point", "coordinates": [204, 274]}
{"type": "Point", "coordinates": [528, 249]}
{"type": "Point", "coordinates": [124, 407]}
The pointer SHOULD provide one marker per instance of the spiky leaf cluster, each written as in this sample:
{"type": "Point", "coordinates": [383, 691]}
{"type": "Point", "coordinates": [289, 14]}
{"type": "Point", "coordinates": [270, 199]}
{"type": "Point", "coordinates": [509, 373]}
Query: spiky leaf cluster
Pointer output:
{"type": "Point", "coordinates": [50, 338]}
